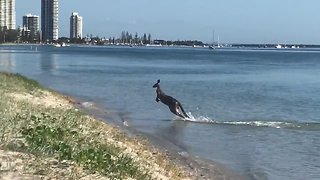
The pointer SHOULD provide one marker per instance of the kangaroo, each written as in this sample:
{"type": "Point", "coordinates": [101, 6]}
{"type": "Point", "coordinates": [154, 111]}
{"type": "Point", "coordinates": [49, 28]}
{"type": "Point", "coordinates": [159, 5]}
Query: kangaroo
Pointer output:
{"type": "Point", "coordinates": [173, 104]}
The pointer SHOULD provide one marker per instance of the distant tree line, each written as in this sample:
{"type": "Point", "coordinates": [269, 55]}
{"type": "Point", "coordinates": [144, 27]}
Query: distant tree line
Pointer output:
{"type": "Point", "coordinates": [128, 38]}
{"type": "Point", "coordinates": [8, 35]}
{"type": "Point", "coordinates": [180, 43]}
{"type": "Point", "coordinates": [18, 36]}
{"type": "Point", "coordinates": [186, 43]}
{"type": "Point", "coordinates": [125, 38]}
{"type": "Point", "coordinates": [29, 36]}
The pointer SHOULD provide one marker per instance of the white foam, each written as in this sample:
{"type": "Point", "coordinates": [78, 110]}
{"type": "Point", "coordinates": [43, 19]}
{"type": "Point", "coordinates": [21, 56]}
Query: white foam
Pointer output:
{"type": "Point", "coordinates": [271, 124]}
{"type": "Point", "coordinates": [200, 119]}
{"type": "Point", "coordinates": [274, 124]}
{"type": "Point", "coordinates": [125, 123]}
{"type": "Point", "coordinates": [87, 104]}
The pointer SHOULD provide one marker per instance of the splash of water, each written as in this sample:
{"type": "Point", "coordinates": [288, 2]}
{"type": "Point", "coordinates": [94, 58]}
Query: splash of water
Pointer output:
{"type": "Point", "coordinates": [200, 119]}
{"type": "Point", "coordinates": [274, 124]}
{"type": "Point", "coordinates": [257, 123]}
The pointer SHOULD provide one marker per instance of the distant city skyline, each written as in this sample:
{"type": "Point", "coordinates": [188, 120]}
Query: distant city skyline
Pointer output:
{"type": "Point", "coordinates": [234, 21]}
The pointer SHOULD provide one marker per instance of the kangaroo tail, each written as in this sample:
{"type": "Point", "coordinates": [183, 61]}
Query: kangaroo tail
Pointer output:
{"type": "Point", "coordinates": [184, 113]}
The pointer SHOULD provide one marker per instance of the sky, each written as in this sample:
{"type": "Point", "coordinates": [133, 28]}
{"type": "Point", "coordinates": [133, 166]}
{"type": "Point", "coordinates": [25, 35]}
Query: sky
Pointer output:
{"type": "Point", "coordinates": [233, 21]}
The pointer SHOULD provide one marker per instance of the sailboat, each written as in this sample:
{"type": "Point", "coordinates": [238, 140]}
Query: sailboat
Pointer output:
{"type": "Point", "coordinates": [212, 46]}
{"type": "Point", "coordinates": [218, 44]}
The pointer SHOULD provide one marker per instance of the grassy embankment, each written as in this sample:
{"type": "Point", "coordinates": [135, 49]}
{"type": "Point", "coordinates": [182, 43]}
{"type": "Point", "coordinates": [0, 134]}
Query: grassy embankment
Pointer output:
{"type": "Point", "coordinates": [43, 135]}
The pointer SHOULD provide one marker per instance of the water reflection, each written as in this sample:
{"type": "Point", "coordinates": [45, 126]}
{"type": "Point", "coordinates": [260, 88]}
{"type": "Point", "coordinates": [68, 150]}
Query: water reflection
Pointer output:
{"type": "Point", "coordinates": [174, 132]}
{"type": "Point", "coordinates": [48, 62]}
{"type": "Point", "coordinates": [7, 61]}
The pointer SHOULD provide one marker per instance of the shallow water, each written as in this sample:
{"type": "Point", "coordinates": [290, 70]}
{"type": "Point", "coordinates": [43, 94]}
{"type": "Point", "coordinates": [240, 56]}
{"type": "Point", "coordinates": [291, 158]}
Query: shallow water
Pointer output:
{"type": "Point", "coordinates": [255, 111]}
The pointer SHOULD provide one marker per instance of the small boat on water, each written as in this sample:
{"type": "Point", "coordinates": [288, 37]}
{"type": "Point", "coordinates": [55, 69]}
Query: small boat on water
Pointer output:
{"type": "Point", "coordinates": [64, 45]}
{"type": "Point", "coordinates": [57, 45]}
{"type": "Point", "coordinates": [212, 47]}
{"type": "Point", "coordinates": [216, 45]}
{"type": "Point", "coordinates": [61, 45]}
{"type": "Point", "coordinates": [295, 47]}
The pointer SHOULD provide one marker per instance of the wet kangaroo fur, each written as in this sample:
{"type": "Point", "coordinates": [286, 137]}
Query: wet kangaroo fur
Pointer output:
{"type": "Point", "coordinates": [173, 104]}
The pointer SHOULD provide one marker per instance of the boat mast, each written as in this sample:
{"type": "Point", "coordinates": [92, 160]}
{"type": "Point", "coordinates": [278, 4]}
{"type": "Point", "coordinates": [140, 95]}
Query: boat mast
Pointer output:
{"type": "Point", "coordinates": [213, 43]}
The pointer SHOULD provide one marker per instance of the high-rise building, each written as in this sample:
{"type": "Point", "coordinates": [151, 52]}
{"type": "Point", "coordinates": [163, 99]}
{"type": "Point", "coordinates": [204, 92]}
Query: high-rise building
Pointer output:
{"type": "Point", "coordinates": [75, 26]}
{"type": "Point", "coordinates": [49, 20]}
{"type": "Point", "coordinates": [8, 14]}
{"type": "Point", "coordinates": [30, 30]}
{"type": "Point", "coordinates": [31, 22]}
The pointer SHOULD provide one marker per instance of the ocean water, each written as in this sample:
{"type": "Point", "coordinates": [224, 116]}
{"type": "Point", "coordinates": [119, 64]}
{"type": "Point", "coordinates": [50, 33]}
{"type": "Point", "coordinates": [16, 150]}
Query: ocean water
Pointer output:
{"type": "Point", "coordinates": [255, 111]}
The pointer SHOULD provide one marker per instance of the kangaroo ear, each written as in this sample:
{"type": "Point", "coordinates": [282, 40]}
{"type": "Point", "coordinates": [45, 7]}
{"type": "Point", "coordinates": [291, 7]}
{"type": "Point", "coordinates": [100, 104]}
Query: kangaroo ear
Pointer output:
{"type": "Point", "coordinates": [158, 81]}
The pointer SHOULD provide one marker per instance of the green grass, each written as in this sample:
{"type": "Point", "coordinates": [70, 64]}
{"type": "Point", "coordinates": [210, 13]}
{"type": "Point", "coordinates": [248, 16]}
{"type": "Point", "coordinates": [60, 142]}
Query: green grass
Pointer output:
{"type": "Point", "coordinates": [16, 82]}
{"type": "Point", "coordinates": [66, 143]}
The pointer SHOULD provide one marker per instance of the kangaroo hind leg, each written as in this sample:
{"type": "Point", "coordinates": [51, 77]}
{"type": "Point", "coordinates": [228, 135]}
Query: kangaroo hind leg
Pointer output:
{"type": "Point", "coordinates": [182, 110]}
{"type": "Point", "coordinates": [174, 110]}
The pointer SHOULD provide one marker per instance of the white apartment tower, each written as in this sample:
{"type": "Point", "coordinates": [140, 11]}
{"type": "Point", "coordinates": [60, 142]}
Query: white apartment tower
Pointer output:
{"type": "Point", "coordinates": [49, 19]}
{"type": "Point", "coordinates": [8, 14]}
{"type": "Point", "coordinates": [75, 26]}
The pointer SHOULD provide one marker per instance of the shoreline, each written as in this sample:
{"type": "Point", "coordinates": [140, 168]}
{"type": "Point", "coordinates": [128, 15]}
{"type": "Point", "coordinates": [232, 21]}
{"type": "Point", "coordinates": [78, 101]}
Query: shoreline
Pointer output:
{"type": "Point", "coordinates": [200, 168]}
{"type": "Point", "coordinates": [25, 99]}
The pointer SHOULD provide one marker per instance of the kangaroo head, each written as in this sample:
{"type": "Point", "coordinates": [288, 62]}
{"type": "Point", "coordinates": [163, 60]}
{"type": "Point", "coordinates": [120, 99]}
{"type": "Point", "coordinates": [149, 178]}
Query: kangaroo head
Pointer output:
{"type": "Point", "coordinates": [156, 84]}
